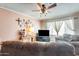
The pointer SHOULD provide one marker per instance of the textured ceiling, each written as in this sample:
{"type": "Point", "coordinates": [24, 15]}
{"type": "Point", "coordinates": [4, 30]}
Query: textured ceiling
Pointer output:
{"type": "Point", "coordinates": [58, 11]}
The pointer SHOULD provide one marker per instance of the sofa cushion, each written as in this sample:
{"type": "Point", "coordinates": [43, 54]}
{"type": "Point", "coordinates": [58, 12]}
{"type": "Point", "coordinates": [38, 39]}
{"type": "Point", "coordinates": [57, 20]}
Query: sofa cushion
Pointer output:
{"type": "Point", "coordinates": [75, 37]}
{"type": "Point", "coordinates": [65, 37]}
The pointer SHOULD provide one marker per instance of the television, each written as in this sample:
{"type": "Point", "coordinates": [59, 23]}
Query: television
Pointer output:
{"type": "Point", "coordinates": [43, 32]}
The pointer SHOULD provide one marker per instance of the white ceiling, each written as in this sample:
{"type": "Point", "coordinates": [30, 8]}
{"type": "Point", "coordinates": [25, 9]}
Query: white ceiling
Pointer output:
{"type": "Point", "coordinates": [26, 8]}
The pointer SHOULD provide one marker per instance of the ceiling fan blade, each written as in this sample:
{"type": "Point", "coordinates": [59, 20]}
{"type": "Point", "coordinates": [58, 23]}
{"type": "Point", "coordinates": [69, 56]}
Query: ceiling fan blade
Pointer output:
{"type": "Point", "coordinates": [39, 4]}
{"type": "Point", "coordinates": [51, 6]}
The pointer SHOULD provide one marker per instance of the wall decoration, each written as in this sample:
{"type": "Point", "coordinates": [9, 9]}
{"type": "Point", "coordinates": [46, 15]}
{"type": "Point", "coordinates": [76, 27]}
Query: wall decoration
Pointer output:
{"type": "Point", "coordinates": [24, 29]}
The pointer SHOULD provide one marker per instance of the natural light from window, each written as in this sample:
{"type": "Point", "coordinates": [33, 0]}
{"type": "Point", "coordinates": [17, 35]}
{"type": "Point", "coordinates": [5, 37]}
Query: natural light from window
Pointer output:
{"type": "Point", "coordinates": [66, 27]}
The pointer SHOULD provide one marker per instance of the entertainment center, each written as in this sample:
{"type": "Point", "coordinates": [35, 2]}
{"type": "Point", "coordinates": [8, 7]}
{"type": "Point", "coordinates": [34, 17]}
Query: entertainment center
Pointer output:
{"type": "Point", "coordinates": [43, 35]}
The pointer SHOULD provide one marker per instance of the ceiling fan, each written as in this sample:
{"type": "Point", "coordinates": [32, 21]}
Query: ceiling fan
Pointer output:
{"type": "Point", "coordinates": [44, 8]}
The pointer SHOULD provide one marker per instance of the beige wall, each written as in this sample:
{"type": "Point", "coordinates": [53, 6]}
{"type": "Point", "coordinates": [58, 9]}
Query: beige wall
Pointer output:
{"type": "Point", "coordinates": [42, 24]}
{"type": "Point", "coordinates": [8, 24]}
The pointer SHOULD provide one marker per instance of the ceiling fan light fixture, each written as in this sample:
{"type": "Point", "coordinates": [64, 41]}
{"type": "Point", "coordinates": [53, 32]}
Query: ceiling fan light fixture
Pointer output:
{"type": "Point", "coordinates": [44, 8]}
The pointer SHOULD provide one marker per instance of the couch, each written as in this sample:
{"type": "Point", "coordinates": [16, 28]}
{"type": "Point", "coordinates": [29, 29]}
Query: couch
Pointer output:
{"type": "Point", "coordinates": [16, 48]}
{"type": "Point", "coordinates": [72, 39]}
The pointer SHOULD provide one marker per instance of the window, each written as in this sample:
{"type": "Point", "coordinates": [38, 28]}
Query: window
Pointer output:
{"type": "Point", "coordinates": [66, 27]}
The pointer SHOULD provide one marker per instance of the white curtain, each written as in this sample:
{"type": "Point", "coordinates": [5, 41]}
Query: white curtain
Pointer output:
{"type": "Point", "coordinates": [57, 26]}
{"type": "Point", "coordinates": [62, 27]}
{"type": "Point", "coordinates": [69, 27]}
{"type": "Point", "coordinates": [54, 27]}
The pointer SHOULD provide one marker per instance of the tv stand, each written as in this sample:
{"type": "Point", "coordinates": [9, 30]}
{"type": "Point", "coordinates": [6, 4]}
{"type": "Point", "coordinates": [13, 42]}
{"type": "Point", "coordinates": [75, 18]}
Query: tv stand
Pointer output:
{"type": "Point", "coordinates": [43, 38]}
